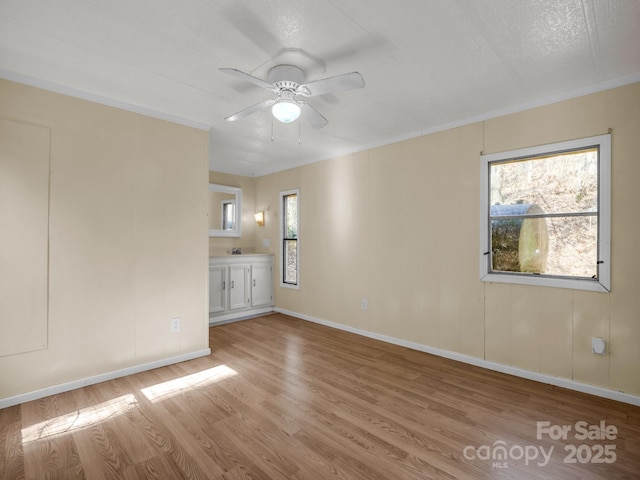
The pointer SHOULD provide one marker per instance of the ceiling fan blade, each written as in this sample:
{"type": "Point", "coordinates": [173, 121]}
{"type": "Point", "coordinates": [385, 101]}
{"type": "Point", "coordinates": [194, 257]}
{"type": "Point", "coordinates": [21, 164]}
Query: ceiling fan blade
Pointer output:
{"type": "Point", "coordinates": [312, 116]}
{"type": "Point", "coordinates": [339, 83]}
{"type": "Point", "coordinates": [249, 110]}
{"type": "Point", "coordinates": [249, 78]}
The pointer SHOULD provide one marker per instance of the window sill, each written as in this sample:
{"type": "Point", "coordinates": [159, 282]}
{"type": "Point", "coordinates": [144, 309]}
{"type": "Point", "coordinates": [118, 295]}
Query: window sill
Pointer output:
{"type": "Point", "coordinates": [545, 281]}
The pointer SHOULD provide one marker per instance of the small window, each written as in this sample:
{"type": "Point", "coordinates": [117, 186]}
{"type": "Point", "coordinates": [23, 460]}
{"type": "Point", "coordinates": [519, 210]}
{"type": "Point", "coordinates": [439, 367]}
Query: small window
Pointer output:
{"type": "Point", "coordinates": [228, 214]}
{"type": "Point", "coordinates": [289, 204]}
{"type": "Point", "coordinates": [546, 215]}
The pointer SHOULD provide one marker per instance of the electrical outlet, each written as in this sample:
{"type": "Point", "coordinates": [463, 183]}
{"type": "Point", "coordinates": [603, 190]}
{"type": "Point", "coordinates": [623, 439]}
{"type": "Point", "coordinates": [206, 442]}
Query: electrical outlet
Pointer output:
{"type": "Point", "coordinates": [598, 345]}
{"type": "Point", "coordinates": [175, 324]}
{"type": "Point", "coordinates": [365, 304]}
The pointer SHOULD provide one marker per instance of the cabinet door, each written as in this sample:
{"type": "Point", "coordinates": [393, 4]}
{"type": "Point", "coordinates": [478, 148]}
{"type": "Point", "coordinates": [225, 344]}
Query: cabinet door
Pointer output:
{"type": "Point", "coordinates": [217, 289]}
{"type": "Point", "coordinates": [260, 285]}
{"type": "Point", "coordinates": [238, 287]}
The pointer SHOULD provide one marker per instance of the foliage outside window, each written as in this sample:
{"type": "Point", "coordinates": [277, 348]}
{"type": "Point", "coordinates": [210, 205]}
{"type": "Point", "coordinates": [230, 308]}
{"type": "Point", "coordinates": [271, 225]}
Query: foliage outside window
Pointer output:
{"type": "Point", "coordinates": [289, 231]}
{"type": "Point", "coordinates": [546, 215]}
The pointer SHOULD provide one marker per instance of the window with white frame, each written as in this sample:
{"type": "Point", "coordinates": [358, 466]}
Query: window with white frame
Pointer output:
{"type": "Point", "coordinates": [289, 233]}
{"type": "Point", "coordinates": [545, 215]}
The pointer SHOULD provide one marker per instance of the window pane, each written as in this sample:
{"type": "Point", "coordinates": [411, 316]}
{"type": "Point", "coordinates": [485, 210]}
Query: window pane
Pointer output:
{"type": "Point", "coordinates": [563, 183]}
{"type": "Point", "coordinates": [290, 261]}
{"type": "Point", "coordinates": [573, 246]}
{"type": "Point", "coordinates": [228, 216]}
{"type": "Point", "coordinates": [518, 245]}
{"type": "Point", "coordinates": [291, 216]}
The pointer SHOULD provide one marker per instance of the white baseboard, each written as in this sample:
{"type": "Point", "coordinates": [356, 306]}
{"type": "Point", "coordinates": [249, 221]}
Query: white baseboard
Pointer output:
{"type": "Point", "coordinates": [479, 362]}
{"type": "Point", "coordinates": [65, 387]}
{"type": "Point", "coordinates": [237, 316]}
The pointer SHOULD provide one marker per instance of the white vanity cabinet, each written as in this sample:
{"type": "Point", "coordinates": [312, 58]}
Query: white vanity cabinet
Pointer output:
{"type": "Point", "coordinates": [261, 294]}
{"type": "Point", "coordinates": [240, 286]}
{"type": "Point", "coordinates": [217, 288]}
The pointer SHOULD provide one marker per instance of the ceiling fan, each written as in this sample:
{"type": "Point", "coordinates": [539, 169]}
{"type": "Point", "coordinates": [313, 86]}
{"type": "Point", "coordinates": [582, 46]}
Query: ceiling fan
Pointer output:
{"type": "Point", "coordinates": [287, 83]}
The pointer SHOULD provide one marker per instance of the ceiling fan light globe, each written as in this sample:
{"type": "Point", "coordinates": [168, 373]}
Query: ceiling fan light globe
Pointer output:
{"type": "Point", "coordinates": [286, 111]}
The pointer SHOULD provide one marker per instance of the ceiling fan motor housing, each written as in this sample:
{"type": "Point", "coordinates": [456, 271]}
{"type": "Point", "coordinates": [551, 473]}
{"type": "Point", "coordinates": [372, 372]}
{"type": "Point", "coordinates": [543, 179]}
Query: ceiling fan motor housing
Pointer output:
{"type": "Point", "coordinates": [286, 77]}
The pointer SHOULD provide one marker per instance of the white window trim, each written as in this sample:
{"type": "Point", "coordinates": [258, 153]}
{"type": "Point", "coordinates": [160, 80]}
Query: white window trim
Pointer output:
{"type": "Point", "coordinates": [283, 194]}
{"type": "Point", "coordinates": [603, 283]}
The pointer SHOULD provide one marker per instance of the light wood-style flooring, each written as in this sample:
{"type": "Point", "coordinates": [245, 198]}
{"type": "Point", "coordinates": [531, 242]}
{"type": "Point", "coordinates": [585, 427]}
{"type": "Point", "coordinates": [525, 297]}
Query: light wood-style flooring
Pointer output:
{"type": "Point", "coordinates": [281, 398]}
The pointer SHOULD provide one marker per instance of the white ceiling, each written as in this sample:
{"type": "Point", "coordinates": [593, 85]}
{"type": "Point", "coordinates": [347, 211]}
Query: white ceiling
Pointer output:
{"type": "Point", "coordinates": [427, 64]}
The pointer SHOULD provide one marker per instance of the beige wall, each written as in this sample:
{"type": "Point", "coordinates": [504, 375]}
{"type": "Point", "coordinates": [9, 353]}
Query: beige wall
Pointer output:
{"type": "Point", "coordinates": [399, 225]}
{"type": "Point", "coordinates": [127, 240]}
{"type": "Point", "coordinates": [24, 243]}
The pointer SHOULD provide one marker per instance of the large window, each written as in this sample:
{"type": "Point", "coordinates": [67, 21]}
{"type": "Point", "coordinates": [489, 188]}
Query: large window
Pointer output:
{"type": "Point", "coordinates": [546, 215]}
{"type": "Point", "coordinates": [289, 228]}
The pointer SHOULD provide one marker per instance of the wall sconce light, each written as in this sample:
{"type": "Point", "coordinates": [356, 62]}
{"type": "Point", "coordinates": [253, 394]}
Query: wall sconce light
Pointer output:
{"type": "Point", "coordinates": [259, 218]}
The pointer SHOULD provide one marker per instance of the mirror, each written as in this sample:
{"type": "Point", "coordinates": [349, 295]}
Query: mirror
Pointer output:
{"type": "Point", "coordinates": [225, 210]}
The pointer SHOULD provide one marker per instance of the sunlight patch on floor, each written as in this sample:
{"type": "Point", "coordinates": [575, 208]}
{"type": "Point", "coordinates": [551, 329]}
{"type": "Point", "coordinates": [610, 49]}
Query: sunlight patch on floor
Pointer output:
{"type": "Point", "coordinates": [83, 418]}
{"type": "Point", "coordinates": [168, 389]}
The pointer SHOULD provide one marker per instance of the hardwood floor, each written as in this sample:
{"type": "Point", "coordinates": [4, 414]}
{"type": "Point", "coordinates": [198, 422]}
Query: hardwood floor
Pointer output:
{"type": "Point", "coordinates": [282, 398]}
